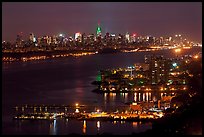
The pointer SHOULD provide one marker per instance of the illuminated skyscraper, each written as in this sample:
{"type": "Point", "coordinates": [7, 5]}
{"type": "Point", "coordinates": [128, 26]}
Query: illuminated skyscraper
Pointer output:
{"type": "Point", "coordinates": [127, 37]}
{"type": "Point", "coordinates": [133, 37]}
{"type": "Point", "coordinates": [32, 38]}
{"type": "Point", "coordinates": [158, 69]}
{"type": "Point", "coordinates": [61, 37]}
{"type": "Point", "coordinates": [78, 37]}
{"type": "Point", "coordinates": [98, 31]}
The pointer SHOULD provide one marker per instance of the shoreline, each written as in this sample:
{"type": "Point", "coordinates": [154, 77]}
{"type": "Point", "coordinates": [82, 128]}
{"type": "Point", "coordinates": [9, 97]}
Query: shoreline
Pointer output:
{"type": "Point", "coordinates": [40, 55]}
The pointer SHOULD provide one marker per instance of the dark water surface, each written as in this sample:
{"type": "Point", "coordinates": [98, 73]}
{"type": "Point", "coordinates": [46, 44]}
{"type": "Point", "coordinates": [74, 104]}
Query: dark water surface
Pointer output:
{"type": "Point", "coordinates": [66, 81]}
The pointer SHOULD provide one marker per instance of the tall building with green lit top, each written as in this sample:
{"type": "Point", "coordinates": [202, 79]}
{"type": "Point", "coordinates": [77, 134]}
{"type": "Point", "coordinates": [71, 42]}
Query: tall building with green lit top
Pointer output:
{"type": "Point", "coordinates": [98, 31]}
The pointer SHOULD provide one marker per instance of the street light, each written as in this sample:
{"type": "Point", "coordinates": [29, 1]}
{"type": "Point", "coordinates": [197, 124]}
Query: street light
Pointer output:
{"type": "Point", "coordinates": [196, 56]}
{"type": "Point", "coordinates": [77, 108]}
{"type": "Point", "coordinates": [177, 50]}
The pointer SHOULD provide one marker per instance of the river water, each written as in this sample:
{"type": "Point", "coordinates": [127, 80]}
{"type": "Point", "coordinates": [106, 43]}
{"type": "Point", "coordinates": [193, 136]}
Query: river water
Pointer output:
{"type": "Point", "coordinates": [67, 81]}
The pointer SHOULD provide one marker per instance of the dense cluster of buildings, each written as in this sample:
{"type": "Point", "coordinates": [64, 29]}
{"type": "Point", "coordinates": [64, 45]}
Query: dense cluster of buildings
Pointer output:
{"type": "Point", "coordinates": [82, 41]}
{"type": "Point", "coordinates": [45, 47]}
{"type": "Point", "coordinates": [156, 74]}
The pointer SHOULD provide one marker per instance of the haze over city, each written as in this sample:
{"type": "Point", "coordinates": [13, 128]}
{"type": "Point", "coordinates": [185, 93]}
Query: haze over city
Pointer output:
{"type": "Point", "coordinates": [156, 19]}
{"type": "Point", "coordinates": [100, 68]}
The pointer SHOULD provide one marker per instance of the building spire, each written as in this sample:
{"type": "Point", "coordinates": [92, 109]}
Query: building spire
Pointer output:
{"type": "Point", "coordinates": [98, 30]}
{"type": "Point", "coordinates": [98, 23]}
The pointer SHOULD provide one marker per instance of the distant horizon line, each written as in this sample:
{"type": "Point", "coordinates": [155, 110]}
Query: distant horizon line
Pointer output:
{"type": "Point", "coordinates": [65, 35]}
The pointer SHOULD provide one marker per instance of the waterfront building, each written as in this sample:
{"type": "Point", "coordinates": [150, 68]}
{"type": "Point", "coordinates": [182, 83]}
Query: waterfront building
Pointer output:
{"type": "Point", "coordinates": [136, 107]}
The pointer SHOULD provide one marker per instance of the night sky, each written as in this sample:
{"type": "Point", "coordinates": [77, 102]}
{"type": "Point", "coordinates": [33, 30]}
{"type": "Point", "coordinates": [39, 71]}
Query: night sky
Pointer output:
{"type": "Point", "coordinates": [156, 19]}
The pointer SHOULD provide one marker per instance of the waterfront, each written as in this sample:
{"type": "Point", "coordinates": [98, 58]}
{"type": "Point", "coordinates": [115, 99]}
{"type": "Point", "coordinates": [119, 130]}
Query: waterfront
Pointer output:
{"type": "Point", "coordinates": [64, 81]}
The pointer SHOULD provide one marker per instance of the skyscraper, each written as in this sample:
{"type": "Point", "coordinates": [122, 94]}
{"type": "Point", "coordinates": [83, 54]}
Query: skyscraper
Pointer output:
{"type": "Point", "coordinates": [78, 37]}
{"type": "Point", "coordinates": [127, 37]}
{"type": "Point", "coordinates": [158, 69]}
{"type": "Point", "coordinates": [32, 38]}
{"type": "Point", "coordinates": [98, 30]}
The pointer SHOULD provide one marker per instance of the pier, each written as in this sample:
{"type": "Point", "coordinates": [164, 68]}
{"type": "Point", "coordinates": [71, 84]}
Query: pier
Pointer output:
{"type": "Point", "coordinates": [83, 112]}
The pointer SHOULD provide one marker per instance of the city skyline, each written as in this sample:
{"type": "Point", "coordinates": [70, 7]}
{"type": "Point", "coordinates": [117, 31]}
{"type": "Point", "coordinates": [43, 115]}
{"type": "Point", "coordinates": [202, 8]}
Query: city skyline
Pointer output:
{"type": "Point", "coordinates": [156, 19]}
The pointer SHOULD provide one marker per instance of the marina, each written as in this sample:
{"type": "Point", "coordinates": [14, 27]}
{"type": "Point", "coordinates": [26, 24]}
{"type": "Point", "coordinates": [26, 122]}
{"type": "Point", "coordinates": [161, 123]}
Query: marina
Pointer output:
{"type": "Point", "coordinates": [134, 113]}
{"type": "Point", "coordinates": [31, 110]}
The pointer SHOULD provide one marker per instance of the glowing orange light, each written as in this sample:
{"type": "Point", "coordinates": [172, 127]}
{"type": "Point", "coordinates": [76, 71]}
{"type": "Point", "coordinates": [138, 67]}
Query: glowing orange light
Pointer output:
{"type": "Point", "coordinates": [177, 50]}
{"type": "Point", "coordinates": [196, 56]}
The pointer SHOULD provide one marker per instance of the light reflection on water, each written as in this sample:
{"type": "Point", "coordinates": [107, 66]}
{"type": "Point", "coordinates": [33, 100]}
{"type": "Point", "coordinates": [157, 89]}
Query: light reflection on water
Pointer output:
{"type": "Point", "coordinates": [135, 97]}
{"type": "Point", "coordinates": [99, 127]}
{"type": "Point", "coordinates": [134, 124]}
{"type": "Point", "coordinates": [66, 81]}
{"type": "Point", "coordinates": [84, 126]}
{"type": "Point", "coordinates": [110, 100]}
{"type": "Point", "coordinates": [127, 97]}
{"type": "Point", "coordinates": [53, 128]}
